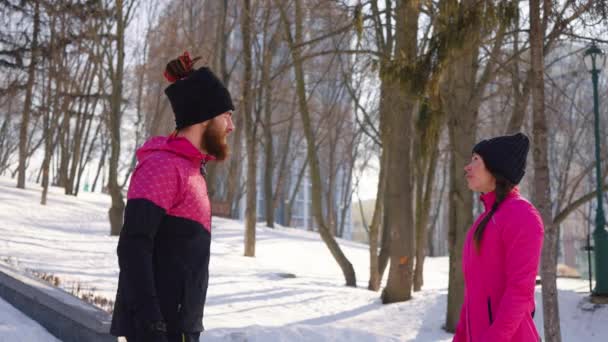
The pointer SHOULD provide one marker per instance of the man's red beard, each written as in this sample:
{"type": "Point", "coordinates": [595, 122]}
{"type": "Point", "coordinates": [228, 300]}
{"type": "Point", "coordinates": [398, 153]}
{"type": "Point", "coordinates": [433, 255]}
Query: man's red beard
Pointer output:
{"type": "Point", "coordinates": [214, 142]}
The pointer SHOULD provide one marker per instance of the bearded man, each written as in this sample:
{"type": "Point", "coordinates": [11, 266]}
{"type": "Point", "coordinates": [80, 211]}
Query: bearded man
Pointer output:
{"type": "Point", "coordinates": [163, 248]}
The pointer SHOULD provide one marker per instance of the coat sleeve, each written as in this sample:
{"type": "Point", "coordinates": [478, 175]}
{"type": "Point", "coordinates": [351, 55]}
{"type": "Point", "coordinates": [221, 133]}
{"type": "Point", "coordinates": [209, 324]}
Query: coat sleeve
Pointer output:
{"type": "Point", "coordinates": [461, 328]}
{"type": "Point", "coordinates": [153, 190]}
{"type": "Point", "coordinates": [523, 239]}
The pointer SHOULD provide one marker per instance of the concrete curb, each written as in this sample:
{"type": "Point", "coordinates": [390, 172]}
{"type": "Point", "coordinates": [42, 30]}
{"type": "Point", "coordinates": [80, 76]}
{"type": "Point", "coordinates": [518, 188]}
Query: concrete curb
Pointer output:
{"type": "Point", "coordinates": [63, 315]}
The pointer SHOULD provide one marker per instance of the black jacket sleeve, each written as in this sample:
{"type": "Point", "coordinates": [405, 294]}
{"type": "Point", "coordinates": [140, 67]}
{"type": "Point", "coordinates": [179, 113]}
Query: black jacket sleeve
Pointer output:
{"type": "Point", "coordinates": [135, 257]}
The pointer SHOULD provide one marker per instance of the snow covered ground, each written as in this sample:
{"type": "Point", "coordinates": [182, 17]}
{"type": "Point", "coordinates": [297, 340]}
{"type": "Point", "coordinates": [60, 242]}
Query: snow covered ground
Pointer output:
{"type": "Point", "coordinates": [250, 299]}
{"type": "Point", "coordinates": [15, 326]}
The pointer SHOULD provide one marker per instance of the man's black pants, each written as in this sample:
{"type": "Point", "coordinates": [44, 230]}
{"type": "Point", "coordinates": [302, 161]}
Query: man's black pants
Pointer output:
{"type": "Point", "coordinates": [184, 337]}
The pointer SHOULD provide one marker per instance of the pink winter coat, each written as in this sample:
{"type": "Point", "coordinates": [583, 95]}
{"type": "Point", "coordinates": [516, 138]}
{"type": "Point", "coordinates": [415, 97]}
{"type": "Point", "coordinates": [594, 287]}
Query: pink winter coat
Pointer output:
{"type": "Point", "coordinates": [500, 276]}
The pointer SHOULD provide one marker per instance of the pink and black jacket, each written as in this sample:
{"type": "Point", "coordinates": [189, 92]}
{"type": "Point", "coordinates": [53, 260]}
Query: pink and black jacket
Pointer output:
{"type": "Point", "coordinates": [163, 249]}
{"type": "Point", "coordinates": [500, 275]}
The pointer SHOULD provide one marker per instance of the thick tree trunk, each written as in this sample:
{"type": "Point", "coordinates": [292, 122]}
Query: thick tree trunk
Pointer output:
{"type": "Point", "coordinates": [461, 93]}
{"type": "Point", "coordinates": [541, 196]}
{"type": "Point", "coordinates": [27, 104]}
{"type": "Point", "coordinates": [462, 138]}
{"type": "Point", "coordinates": [398, 198]}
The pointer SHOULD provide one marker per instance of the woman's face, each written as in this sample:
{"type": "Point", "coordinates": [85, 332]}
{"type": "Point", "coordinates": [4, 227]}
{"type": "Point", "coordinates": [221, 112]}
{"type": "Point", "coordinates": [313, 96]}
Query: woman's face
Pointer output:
{"type": "Point", "coordinates": [478, 177]}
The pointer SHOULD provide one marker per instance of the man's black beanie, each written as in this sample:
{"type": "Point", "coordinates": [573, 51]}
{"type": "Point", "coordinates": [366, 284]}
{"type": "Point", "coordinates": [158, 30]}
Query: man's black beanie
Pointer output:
{"type": "Point", "coordinates": [505, 155]}
{"type": "Point", "coordinates": [199, 97]}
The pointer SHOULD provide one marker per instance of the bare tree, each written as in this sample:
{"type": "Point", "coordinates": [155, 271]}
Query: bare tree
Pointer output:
{"type": "Point", "coordinates": [251, 132]}
{"type": "Point", "coordinates": [27, 105]}
{"type": "Point", "coordinates": [51, 116]}
{"type": "Point", "coordinates": [429, 125]}
{"type": "Point", "coordinates": [461, 92]}
{"type": "Point", "coordinates": [294, 41]}
{"type": "Point", "coordinates": [115, 69]}
{"type": "Point", "coordinates": [398, 200]}
{"type": "Point", "coordinates": [542, 187]}
{"type": "Point", "coordinates": [269, 50]}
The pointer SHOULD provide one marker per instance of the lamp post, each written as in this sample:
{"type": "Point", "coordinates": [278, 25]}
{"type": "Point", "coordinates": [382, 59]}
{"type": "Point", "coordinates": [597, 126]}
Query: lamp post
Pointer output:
{"type": "Point", "coordinates": [594, 61]}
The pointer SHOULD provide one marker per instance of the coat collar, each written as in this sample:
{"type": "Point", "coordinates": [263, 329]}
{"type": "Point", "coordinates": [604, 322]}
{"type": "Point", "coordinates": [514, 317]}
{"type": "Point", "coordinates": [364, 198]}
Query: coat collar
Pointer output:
{"type": "Point", "coordinates": [489, 198]}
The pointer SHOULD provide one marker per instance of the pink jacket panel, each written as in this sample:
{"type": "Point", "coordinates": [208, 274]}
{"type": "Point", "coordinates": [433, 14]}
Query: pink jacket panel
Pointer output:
{"type": "Point", "coordinates": [500, 275]}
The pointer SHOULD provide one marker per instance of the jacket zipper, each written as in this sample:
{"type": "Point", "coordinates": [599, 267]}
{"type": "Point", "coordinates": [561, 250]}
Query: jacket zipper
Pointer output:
{"type": "Point", "coordinates": [490, 310]}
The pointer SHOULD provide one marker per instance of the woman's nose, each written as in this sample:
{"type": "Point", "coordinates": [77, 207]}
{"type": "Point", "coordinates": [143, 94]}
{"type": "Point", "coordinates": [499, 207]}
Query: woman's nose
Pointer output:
{"type": "Point", "coordinates": [230, 126]}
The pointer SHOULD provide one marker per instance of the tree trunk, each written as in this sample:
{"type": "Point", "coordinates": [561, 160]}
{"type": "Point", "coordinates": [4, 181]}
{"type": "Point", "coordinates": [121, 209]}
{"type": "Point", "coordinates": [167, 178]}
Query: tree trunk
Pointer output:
{"type": "Point", "coordinates": [250, 129]}
{"type": "Point", "coordinates": [398, 198]}
{"type": "Point", "coordinates": [521, 93]}
{"type": "Point", "coordinates": [294, 194]}
{"type": "Point", "coordinates": [51, 120]}
{"type": "Point", "coordinates": [346, 185]}
{"type": "Point", "coordinates": [86, 158]}
{"type": "Point", "coordinates": [541, 196]}
{"type": "Point", "coordinates": [81, 133]}
{"type": "Point", "coordinates": [266, 84]}
{"type": "Point", "coordinates": [279, 193]}
{"type": "Point", "coordinates": [375, 277]}
{"type": "Point", "coordinates": [315, 172]}
{"type": "Point", "coordinates": [64, 157]}
{"type": "Point", "coordinates": [7, 145]}
{"type": "Point", "coordinates": [233, 193]}
{"type": "Point", "coordinates": [116, 210]}
{"type": "Point", "coordinates": [268, 172]}
{"type": "Point", "coordinates": [233, 183]}
{"type": "Point", "coordinates": [460, 96]}
{"type": "Point", "coordinates": [52, 110]}
{"type": "Point", "coordinates": [385, 244]}
{"type": "Point", "coordinates": [331, 179]}
{"type": "Point", "coordinates": [46, 162]}
{"type": "Point", "coordinates": [422, 214]}
{"type": "Point", "coordinates": [27, 105]}
{"type": "Point", "coordinates": [432, 250]}
{"type": "Point", "coordinates": [462, 139]}
{"type": "Point", "coordinates": [104, 151]}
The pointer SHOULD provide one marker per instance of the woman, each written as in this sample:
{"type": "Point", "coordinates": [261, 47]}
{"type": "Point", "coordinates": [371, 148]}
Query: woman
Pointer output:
{"type": "Point", "coordinates": [502, 249]}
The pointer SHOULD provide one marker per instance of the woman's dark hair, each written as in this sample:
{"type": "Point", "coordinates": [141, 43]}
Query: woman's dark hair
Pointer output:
{"type": "Point", "coordinates": [180, 67]}
{"type": "Point", "coordinates": [503, 187]}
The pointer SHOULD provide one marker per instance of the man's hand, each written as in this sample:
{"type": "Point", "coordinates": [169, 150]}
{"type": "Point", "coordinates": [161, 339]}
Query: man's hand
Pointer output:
{"type": "Point", "coordinates": [153, 331]}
